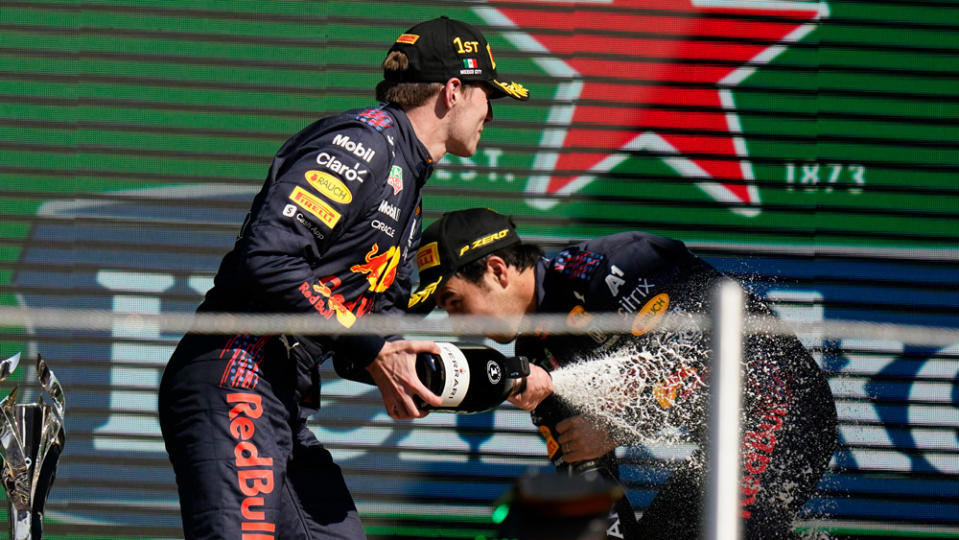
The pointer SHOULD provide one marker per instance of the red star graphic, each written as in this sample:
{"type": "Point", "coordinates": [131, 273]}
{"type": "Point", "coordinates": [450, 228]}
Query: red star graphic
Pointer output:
{"type": "Point", "coordinates": [675, 60]}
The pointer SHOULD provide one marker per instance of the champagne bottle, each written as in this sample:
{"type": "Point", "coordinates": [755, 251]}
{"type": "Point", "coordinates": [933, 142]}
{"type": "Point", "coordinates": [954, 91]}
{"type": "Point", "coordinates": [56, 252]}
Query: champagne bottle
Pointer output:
{"type": "Point", "coordinates": [550, 412]}
{"type": "Point", "coordinates": [470, 377]}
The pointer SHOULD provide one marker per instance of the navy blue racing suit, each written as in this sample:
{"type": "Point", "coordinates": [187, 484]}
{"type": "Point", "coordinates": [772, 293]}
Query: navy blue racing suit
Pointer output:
{"type": "Point", "coordinates": [334, 232]}
{"type": "Point", "coordinates": [789, 422]}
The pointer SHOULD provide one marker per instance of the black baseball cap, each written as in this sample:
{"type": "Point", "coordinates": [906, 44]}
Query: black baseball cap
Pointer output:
{"type": "Point", "coordinates": [443, 48]}
{"type": "Point", "coordinates": [456, 239]}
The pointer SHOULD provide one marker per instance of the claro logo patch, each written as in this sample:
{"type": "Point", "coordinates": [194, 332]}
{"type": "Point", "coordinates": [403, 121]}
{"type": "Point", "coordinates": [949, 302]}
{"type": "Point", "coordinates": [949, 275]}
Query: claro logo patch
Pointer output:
{"type": "Point", "coordinates": [315, 205]}
{"type": "Point", "coordinates": [650, 314]}
{"type": "Point", "coordinates": [330, 186]}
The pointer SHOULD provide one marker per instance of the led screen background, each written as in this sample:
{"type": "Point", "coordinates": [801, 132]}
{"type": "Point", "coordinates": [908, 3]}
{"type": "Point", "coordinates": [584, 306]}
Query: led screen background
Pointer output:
{"type": "Point", "coordinates": [810, 148]}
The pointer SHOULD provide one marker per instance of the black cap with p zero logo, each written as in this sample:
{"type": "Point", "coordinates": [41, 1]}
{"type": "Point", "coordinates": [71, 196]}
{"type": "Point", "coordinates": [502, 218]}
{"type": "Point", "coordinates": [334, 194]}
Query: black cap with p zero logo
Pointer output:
{"type": "Point", "coordinates": [456, 239]}
{"type": "Point", "coordinates": [443, 48]}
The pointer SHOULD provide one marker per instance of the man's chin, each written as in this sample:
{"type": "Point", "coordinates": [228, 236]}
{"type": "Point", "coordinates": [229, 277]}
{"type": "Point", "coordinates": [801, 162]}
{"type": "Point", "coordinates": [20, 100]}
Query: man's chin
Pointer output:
{"type": "Point", "coordinates": [501, 338]}
{"type": "Point", "coordinates": [465, 153]}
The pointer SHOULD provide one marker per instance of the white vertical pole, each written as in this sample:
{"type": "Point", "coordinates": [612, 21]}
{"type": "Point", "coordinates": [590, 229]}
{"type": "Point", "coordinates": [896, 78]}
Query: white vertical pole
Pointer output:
{"type": "Point", "coordinates": [722, 490]}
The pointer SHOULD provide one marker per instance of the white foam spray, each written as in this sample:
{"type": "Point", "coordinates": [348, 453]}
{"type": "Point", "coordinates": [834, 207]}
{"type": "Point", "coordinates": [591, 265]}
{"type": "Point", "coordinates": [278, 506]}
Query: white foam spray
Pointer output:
{"type": "Point", "coordinates": [650, 395]}
{"type": "Point", "coordinates": [636, 393]}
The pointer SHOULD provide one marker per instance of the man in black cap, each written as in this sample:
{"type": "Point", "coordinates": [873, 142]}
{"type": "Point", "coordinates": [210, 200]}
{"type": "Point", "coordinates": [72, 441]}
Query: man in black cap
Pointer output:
{"type": "Point", "coordinates": [473, 262]}
{"type": "Point", "coordinates": [332, 233]}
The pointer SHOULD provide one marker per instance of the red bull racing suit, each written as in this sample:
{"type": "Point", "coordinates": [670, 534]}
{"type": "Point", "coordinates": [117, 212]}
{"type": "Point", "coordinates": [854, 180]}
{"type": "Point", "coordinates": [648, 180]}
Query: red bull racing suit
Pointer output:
{"type": "Point", "coordinates": [789, 421]}
{"type": "Point", "coordinates": [334, 232]}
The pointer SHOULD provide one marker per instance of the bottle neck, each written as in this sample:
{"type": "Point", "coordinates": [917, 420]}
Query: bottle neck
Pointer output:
{"type": "Point", "coordinates": [519, 386]}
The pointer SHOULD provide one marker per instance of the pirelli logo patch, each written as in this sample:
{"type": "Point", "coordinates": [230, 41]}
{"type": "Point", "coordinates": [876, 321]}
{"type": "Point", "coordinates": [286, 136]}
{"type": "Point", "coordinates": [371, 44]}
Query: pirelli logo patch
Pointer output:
{"type": "Point", "coordinates": [427, 256]}
{"type": "Point", "coordinates": [480, 242]}
{"type": "Point", "coordinates": [409, 39]}
{"type": "Point", "coordinates": [316, 206]}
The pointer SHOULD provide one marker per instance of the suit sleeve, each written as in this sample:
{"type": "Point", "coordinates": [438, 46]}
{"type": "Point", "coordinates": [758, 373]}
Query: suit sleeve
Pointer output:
{"type": "Point", "coordinates": [300, 214]}
{"type": "Point", "coordinates": [357, 351]}
{"type": "Point", "coordinates": [396, 299]}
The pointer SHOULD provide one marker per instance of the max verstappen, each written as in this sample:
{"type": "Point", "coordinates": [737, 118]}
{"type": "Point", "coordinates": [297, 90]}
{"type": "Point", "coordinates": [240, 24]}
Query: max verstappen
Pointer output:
{"type": "Point", "coordinates": [333, 232]}
{"type": "Point", "coordinates": [473, 262]}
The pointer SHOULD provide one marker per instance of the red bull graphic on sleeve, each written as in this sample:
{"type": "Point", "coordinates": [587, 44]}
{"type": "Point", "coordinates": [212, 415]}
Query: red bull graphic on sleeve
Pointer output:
{"type": "Point", "coordinates": [380, 268]}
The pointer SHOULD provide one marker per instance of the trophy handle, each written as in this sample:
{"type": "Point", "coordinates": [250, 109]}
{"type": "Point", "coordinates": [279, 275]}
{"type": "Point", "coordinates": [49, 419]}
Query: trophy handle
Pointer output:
{"type": "Point", "coordinates": [15, 472]}
{"type": "Point", "coordinates": [50, 384]}
{"type": "Point", "coordinates": [8, 365]}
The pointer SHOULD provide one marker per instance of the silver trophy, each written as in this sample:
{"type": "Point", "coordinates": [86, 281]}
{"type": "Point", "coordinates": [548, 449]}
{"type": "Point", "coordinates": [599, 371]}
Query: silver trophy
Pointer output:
{"type": "Point", "coordinates": [31, 439]}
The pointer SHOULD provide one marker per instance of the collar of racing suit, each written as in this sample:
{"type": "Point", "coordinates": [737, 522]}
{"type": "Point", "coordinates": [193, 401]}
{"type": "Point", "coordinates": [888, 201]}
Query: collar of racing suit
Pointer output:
{"type": "Point", "coordinates": [540, 276]}
{"type": "Point", "coordinates": [411, 144]}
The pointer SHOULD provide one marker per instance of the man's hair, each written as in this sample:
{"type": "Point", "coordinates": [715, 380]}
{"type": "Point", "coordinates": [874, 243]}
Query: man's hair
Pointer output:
{"type": "Point", "coordinates": [405, 94]}
{"type": "Point", "coordinates": [519, 256]}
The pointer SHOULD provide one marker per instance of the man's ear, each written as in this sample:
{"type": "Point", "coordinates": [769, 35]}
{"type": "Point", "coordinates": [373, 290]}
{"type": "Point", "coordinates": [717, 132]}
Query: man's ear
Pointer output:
{"type": "Point", "coordinates": [452, 92]}
{"type": "Point", "coordinates": [498, 269]}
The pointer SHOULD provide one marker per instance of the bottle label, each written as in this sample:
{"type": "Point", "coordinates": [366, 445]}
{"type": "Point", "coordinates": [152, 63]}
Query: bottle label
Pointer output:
{"type": "Point", "coordinates": [457, 381]}
{"type": "Point", "coordinates": [552, 447]}
{"type": "Point", "coordinates": [493, 372]}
